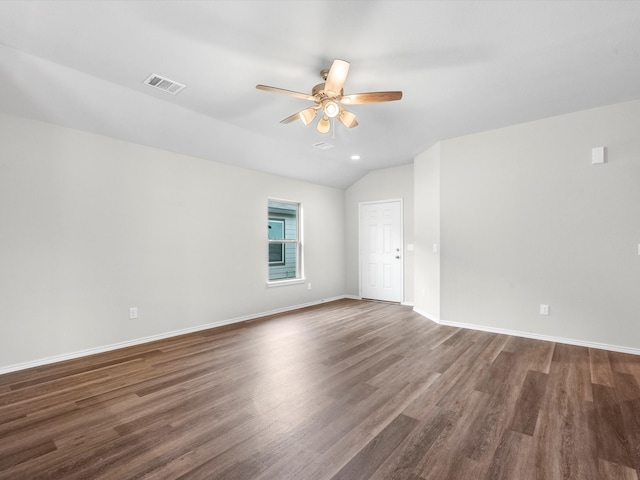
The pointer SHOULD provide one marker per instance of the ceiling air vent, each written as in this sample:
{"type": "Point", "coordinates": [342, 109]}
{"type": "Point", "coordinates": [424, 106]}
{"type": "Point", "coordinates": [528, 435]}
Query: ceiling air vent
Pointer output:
{"type": "Point", "coordinates": [163, 84]}
{"type": "Point", "coordinates": [323, 145]}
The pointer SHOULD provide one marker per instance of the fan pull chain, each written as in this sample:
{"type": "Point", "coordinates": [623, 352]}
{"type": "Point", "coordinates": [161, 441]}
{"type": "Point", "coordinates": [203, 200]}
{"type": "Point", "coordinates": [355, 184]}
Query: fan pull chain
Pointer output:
{"type": "Point", "coordinates": [333, 129]}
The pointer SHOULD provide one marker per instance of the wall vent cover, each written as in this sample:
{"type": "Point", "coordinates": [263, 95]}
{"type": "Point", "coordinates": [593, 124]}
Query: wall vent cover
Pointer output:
{"type": "Point", "coordinates": [163, 84]}
{"type": "Point", "coordinates": [323, 145]}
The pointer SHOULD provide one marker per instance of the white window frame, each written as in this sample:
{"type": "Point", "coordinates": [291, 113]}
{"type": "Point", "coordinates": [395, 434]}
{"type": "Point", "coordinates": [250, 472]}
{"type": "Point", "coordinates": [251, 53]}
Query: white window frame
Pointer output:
{"type": "Point", "coordinates": [299, 278]}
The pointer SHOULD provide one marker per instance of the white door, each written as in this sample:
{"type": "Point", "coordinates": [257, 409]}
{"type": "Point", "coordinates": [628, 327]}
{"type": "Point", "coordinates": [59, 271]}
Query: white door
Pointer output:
{"type": "Point", "coordinates": [381, 261]}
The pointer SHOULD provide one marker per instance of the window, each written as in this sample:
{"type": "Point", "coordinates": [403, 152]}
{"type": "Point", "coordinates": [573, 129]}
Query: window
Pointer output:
{"type": "Point", "coordinates": [285, 245]}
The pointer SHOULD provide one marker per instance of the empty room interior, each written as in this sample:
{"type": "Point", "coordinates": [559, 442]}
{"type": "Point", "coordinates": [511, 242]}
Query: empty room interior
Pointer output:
{"type": "Point", "coordinates": [320, 240]}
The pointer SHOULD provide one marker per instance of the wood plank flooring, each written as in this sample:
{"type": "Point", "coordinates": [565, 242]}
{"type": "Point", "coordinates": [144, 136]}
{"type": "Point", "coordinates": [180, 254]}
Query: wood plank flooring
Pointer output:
{"type": "Point", "coordinates": [345, 390]}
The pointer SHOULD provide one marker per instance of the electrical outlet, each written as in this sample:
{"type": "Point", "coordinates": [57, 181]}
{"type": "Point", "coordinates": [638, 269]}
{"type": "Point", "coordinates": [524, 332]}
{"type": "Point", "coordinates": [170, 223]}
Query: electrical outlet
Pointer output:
{"type": "Point", "coordinates": [544, 309]}
{"type": "Point", "coordinates": [133, 312]}
{"type": "Point", "coordinates": [308, 286]}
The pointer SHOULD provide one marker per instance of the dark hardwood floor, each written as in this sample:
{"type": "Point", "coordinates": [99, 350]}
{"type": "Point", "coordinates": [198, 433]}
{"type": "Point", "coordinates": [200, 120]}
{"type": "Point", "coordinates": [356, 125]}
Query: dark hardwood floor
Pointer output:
{"type": "Point", "coordinates": [345, 390]}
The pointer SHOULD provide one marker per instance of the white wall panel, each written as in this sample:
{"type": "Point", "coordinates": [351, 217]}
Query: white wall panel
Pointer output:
{"type": "Point", "coordinates": [90, 226]}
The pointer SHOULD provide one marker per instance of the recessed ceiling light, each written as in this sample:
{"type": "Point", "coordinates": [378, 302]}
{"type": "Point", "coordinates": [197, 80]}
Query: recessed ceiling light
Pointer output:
{"type": "Point", "coordinates": [355, 157]}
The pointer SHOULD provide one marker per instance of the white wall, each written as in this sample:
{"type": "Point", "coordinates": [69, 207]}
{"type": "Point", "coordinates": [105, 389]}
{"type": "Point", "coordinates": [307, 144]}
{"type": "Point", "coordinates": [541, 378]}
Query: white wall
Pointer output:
{"type": "Point", "coordinates": [384, 184]}
{"type": "Point", "coordinates": [526, 219]}
{"type": "Point", "coordinates": [90, 226]}
{"type": "Point", "coordinates": [427, 233]}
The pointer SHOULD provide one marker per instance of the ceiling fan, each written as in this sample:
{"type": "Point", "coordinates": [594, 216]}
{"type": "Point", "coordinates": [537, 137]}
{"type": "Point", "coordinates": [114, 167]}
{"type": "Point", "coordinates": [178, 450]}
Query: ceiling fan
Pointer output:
{"type": "Point", "coordinates": [329, 98]}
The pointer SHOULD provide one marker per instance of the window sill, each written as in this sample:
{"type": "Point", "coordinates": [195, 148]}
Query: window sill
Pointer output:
{"type": "Point", "coordinates": [282, 283]}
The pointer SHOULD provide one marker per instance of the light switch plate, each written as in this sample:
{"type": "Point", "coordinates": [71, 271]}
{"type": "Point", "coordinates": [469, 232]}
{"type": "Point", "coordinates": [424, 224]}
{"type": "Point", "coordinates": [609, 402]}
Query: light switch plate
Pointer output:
{"type": "Point", "coordinates": [597, 155]}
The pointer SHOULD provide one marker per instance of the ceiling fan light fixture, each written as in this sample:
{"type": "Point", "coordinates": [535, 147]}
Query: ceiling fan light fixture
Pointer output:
{"type": "Point", "coordinates": [348, 119]}
{"type": "Point", "coordinates": [331, 108]}
{"type": "Point", "coordinates": [324, 125]}
{"type": "Point", "coordinates": [307, 115]}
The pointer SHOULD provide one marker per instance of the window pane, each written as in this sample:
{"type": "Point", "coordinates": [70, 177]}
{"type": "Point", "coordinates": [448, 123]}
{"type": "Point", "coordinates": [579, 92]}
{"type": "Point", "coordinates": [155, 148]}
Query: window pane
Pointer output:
{"type": "Point", "coordinates": [283, 261]}
{"type": "Point", "coordinates": [276, 254]}
{"type": "Point", "coordinates": [276, 229]}
{"type": "Point", "coordinates": [287, 213]}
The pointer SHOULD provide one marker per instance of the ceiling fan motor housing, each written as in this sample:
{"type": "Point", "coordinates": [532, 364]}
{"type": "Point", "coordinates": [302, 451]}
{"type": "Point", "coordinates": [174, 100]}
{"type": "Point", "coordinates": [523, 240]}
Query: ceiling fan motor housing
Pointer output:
{"type": "Point", "coordinates": [318, 91]}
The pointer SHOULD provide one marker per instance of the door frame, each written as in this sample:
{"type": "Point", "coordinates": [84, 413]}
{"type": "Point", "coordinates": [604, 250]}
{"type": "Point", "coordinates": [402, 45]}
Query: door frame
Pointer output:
{"type": "Point", "coordinates": [372, 202]}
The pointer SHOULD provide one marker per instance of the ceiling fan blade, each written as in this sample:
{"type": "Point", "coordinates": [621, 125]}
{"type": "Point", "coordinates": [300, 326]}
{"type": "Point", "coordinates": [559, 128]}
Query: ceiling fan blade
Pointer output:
{"type": "Point", "coordinates": [371, 97]}
{"type": "Point", "coordinates": [304, 96]}
{"type": "Point", "coordinates": [336, 77]}
{"type": "Point", "coordinates": [324, 125]}
{"type": "Point", "coordinates": [348, 119]}
{"type": "Point", "coordinates": [291, 118]}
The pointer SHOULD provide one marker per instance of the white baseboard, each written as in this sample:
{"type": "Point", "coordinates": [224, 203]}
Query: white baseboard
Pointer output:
{"type": "Point", "coordinates": [534, 336]}
{"type": "Point", "coordinates": [352, 297]}
{"type": "Point", "coordinates": [433, 318]}
{"type": "Point", "coordinates": [139, 341]}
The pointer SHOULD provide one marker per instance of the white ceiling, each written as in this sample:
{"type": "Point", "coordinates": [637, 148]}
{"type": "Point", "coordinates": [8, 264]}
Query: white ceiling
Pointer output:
{"type": "Point", "coordinates": [464, 67]}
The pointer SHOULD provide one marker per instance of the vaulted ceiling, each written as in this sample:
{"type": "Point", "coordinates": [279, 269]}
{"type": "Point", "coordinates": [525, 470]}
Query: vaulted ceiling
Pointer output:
{"type": "Point", "coordinates": [463, 66]}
